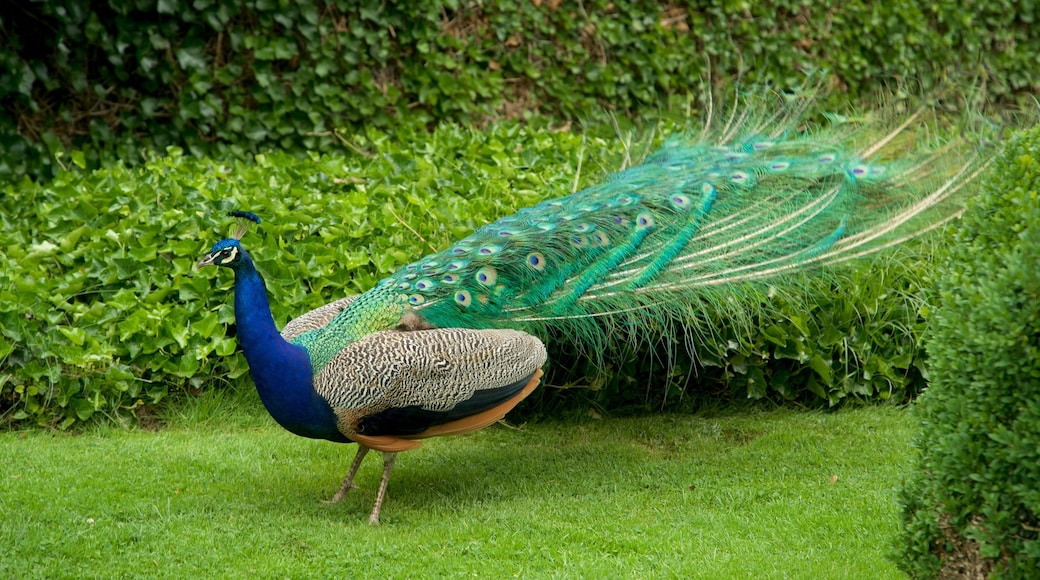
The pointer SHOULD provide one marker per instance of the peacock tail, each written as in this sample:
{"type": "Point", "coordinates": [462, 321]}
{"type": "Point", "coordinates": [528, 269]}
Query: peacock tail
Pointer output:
{"type": "Point", "coordinates": [757, 198]}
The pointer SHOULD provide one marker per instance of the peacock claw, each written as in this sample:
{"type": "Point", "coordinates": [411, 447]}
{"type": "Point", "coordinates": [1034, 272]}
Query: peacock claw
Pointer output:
{"type": "Point", "coordinates": [388, 466]}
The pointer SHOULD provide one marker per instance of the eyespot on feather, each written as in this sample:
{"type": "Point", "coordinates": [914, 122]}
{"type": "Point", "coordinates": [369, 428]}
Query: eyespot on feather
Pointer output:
{"type": "Point", "coordinates": [859, 170]}
{"type": "Point", "coordinates": [536, 261]}
{"type": "Point", "coordinates": [486, 276]}
{"type": "Point", "coordinates": [462, 298]}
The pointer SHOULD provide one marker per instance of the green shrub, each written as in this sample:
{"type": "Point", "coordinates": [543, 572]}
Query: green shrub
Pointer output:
{"type": "Point", "coordinates": [973, 506]}
{"type": "Point", "coordinates": [101, 312]}
{"type": "Point", "coordinates": [226, 76]}
{"type": "Point", "coordinates": [855, 335]}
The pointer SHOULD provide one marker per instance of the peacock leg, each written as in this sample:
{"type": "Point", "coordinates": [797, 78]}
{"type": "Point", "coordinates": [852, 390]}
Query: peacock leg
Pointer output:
{"type": "Point", "coordinates": [388, 466]}
{"type": "Point", "coordinates": [348, 483]}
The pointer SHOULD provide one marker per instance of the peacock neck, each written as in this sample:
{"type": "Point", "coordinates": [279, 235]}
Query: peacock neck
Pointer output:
{"type": "Point", "coordinates": [281, 371]}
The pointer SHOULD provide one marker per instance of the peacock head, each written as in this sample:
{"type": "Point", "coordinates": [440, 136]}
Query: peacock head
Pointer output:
{"type": "Point", "coordinates": [229, 252]}
{"type": "Point", "coordinates": [224, 253]}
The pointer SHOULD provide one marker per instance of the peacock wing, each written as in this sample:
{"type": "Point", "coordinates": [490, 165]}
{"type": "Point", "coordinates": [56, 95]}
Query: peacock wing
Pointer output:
{"type": "Point", "coordinates": [393, 386]}
{"type": "Point", "coordinates": [315, 319]}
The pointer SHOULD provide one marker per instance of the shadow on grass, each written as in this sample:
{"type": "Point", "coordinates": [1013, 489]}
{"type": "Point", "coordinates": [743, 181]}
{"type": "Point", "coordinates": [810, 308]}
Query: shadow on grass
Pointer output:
{"type": "Point", "coordinates": [492, 467]}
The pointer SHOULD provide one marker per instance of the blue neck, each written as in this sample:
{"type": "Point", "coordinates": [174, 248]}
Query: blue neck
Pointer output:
{"type": "Point", "coordinates": [281, 370]}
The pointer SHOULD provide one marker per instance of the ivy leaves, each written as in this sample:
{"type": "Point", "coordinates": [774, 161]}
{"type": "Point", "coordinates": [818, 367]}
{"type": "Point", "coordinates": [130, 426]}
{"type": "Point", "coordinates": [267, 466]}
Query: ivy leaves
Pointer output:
{"type": "Point", "coordinates": [218, 76]}
{"type": "Point", "coordinates": [101, 309]}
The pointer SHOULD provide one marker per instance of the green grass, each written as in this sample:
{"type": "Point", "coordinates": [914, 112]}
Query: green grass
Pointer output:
{"type": "Point", "coordinates": [748, 494]}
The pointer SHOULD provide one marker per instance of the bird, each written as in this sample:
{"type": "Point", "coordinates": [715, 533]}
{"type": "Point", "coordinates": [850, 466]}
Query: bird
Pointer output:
{"type": "Point", "coordinates": [385, 391]}
{"type": "Point", "coordinates": [765, 193]}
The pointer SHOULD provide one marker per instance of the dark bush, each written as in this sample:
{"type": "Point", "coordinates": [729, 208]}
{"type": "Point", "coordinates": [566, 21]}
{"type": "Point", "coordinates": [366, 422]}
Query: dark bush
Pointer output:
{"type": "Point", "coordinates": [973, 506]}
{"type": "Point", "coordinates": [115, 77]}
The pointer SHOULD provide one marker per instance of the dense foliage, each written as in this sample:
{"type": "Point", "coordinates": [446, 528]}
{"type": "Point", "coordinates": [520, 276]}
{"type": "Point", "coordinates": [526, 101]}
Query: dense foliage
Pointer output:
{"type": "Point", "coordinates": [100, 310]}
{"type": "Point", "coordinates": [973, 507]}
{"type": "Point", "coordinates": [113, 77]}
{"type": "Point", "coordinates": [99, 304]}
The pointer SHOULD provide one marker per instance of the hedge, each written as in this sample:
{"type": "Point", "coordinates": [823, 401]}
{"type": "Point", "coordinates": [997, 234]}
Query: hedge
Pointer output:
{"type": "Point", "coordinates": [102, 314]}
{"type": "Point", "coordinates": [972, 508]}
{"type": "Point", "coordinates": [113, 78]}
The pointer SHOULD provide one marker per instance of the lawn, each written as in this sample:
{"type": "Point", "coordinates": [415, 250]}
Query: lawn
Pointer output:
{"type": "Point", "coordinates": [227, 493]}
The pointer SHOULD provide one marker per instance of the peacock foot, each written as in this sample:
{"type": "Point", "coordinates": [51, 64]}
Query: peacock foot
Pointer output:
{"type": "Point", "coordinates": [340, 494]}
{"type": "Point", "coordinates": [348, 482]}
{"type": "Point", "coordinates": [373, 518]}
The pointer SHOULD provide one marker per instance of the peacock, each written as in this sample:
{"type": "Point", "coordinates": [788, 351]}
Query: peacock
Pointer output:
{"type": "Point", "coordinates": [449, 344]}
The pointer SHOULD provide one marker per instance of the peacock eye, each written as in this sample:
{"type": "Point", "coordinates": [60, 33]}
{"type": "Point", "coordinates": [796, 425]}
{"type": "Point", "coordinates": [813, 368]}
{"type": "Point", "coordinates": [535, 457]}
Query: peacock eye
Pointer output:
{"type": "Point", "coordinates": [227, 255]}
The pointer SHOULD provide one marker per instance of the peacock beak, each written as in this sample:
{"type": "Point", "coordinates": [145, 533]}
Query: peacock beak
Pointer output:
{"type": "Point", "coordinates": [207, 260]}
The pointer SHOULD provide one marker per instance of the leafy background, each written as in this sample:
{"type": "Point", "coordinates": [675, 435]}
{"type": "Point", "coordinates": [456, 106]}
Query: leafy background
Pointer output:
{"type": "Point", "coordinates": [101, 310]}
{"type": "Point", "coordinates": [114, 78]}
